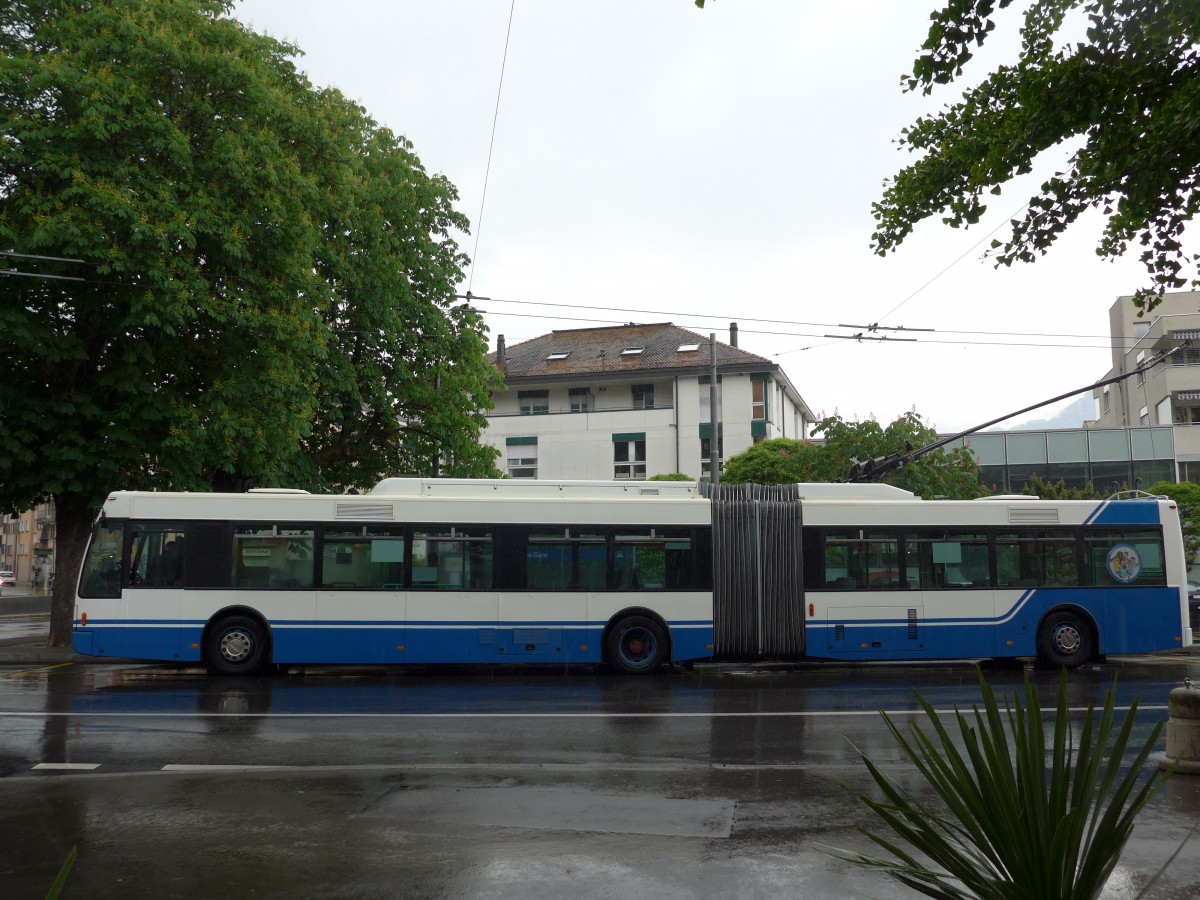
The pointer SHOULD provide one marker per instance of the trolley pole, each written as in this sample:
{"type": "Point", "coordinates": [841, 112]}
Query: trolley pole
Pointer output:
{"type": "Point", "coordinates": [714, 452]}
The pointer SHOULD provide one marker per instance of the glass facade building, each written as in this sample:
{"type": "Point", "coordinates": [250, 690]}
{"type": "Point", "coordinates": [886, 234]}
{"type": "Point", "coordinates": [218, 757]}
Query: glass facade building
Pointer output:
{"type": "Point", "coordinates": [1107, 458]}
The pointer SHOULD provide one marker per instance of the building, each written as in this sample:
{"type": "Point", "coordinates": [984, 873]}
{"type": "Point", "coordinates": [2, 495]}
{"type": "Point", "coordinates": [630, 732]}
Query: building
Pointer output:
{"type": "Point", "coordinates": [1108, 459]}
{"type": "Point", "coordinates": [27, 545]}
{"type": "Point", "coordinates": [632, 401]}
{"type": "Point", "coordinates": [1167, 395]}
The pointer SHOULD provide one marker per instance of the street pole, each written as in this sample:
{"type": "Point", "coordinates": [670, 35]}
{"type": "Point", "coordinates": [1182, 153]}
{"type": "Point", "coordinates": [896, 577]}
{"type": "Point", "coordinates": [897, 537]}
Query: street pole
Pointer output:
{"type": "Point", "coordinates": [714, 454]}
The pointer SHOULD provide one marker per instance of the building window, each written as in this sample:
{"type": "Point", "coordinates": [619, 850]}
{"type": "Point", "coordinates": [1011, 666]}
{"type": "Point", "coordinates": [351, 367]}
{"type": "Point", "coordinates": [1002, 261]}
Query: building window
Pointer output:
{"type": "Point", "coordinates": [521, 457]}
{"type": "Point", "coordinates": [582, 399]}
{"type": "Point", "coordinates": [1144, 416]}
{"type": "Point", "coordinates": [759, 401]}
{"type": "Point", "coordinates": [1141, 358]}
{"type": "Point", "coordinates": [706, 456]}
{"type": "Point", "coordinates": [534, 402]}
{"type": "Point", "coordinates": [643, 396]}
{"type": "Point", "coordinates": [629, 457]}
{"type": "Point", "coordinates": [1187, 415]}
{"type": "Point", "coordinates": [1107, 399]}
{"type": "Point", "coordinates": [1162, 412]}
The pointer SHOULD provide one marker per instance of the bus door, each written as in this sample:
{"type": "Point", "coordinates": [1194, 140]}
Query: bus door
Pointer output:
{"type": "Point", "coordinates": [361, 601]}
{"type": "Point", "coordinates": [152, 602]}
{"type": "Point", "coordinates": [953, 571]}
{"type": "Point", "coordinates": [878, 609]}
{"type": "Point", "coordinates": [452, 604]}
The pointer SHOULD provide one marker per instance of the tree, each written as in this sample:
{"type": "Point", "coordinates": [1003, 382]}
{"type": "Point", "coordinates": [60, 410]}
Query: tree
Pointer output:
{"type": "Point", "coordinates": [782, 461]}
{"type": "Point", "coordinates": [1127, 98]}
{"type": "Point", "coordinates": [1037, 486]}
{"type": "Point", "coordinates": [951, 475]}
{"type": "Point", "coordinates": [265, 276]}
{"type": "Point", "coordinates": [1187, 497]}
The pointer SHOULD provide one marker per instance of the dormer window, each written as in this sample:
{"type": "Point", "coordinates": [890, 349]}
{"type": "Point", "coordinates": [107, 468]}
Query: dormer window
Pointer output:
{"type": "Point", "coordinates": [633, 351]}
{"type": "Point", "coordinates": [558, 354]}
{"type": "Point", "coordinates": [689, 348]}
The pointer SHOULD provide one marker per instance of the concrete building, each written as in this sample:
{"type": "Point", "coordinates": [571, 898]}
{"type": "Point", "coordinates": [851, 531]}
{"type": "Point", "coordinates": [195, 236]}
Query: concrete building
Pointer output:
{"type": "Point", "coordinates": [632, 401]}
{"type": "Point", "coordinates": [27, 545]}
{"type": "Point", "coordinates": [1167, 395]}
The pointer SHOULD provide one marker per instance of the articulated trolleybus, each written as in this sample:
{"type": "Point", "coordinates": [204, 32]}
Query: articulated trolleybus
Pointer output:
{"type": "Point", "coordinates": [634, 575]}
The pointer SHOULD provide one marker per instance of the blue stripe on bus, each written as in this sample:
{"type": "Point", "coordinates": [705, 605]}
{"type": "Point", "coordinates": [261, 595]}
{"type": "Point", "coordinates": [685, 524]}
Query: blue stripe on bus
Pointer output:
{"type": "Point", "coordinates": [1125, 512]}
{"type": "Point", "coordinates": [1129, 620]}
{"type": "Point", "coordinates": [310, 641]}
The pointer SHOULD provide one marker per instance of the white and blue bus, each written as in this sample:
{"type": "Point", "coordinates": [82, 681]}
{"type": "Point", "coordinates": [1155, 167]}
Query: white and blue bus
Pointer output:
{"type": "Point", "coordinates": [635, 575]}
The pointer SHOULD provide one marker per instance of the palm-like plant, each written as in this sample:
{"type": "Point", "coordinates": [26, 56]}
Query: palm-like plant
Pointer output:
{"type": "Point", "coordinates": [1014, 824]}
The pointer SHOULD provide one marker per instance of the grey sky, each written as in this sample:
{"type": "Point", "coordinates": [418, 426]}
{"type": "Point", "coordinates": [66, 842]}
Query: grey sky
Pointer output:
{"type": "Point", "coordinates": [712, 166]}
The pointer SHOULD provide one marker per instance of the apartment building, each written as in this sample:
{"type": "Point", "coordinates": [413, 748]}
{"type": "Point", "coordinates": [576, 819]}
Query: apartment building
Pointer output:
{"type": "Point", "coordinates": [1166, 395]}
{"type": "Point", "coordinates": [631, 401]}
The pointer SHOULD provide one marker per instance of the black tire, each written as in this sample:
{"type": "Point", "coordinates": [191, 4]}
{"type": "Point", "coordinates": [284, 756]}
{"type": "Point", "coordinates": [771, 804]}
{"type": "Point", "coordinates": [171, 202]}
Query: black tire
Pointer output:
{"type": "Point", "coordinates": [236, 645]}
{"type": "Point", "coordinates": [1065, 640]}
{"type": "Point", "coordinates": [636, 645]}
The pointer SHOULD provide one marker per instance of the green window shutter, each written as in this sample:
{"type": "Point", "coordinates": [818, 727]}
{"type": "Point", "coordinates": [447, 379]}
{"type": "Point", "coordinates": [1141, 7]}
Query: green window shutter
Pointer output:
{"type": "Point", "coordinates": [760, 376]}
{"type": "Point", "coordinates": [706, 429]}
{"type": "Point", "coordinates": [521, 441]}
{"type": "Point", "coordinates": [629, 436]}
{"type": "Point", "coordinates": [758, 428]}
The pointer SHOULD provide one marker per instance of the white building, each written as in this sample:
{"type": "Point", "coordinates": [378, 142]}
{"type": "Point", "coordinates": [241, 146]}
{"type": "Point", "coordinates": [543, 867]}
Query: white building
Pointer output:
{"type": "Point", "coordinates": [631, 401]}
{"type": "Point", "coordinates": [1169, 393]}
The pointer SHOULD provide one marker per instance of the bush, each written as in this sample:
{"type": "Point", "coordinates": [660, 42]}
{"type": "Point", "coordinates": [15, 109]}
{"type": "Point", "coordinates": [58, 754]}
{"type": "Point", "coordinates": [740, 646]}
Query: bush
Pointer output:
{"type": "Point", "coordinates": [1012, 826]}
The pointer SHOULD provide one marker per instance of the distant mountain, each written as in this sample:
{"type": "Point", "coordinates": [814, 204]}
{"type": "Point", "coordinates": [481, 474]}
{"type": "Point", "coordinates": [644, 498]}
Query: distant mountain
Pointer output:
{"type": "Point", "coordinates": [1071, 416]}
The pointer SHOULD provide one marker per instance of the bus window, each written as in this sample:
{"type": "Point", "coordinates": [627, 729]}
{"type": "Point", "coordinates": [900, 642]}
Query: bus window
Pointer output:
{"type": "Point", "coordinates": [948, 560]}
{"type": "Point", "coordinates": [565, 559]}
{"type": "Point", "coordinates": [858, 559]}
{"type": "Point", "coordinates": [452, 559]}
{"type": "Point", "coordinates": [363, 558]}
{"type": "Point", "coordinates": [156, 555]}
{"type": "Point", "coordinates": [654, 560]}
{"type": "Point", "coordinates": [1028, 558]}
{"type": "Point", "coordinates": [1116, 556]}
{"type": "Point", "coordinates": [101, 576]}
{"type": "Point", "coordinates": [272, 557]}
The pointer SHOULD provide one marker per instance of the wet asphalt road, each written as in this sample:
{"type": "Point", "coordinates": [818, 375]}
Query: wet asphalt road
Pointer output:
{"type": "Point", "coordinates": [718, 783]}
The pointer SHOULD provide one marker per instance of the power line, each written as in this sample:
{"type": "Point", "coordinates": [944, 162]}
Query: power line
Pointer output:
{"type": "Point", "coordinates": [741, 318]}
{"type": "Point", "coordinates": [842, 337]}
{"type": "Point", "coordinates": [492, 143]}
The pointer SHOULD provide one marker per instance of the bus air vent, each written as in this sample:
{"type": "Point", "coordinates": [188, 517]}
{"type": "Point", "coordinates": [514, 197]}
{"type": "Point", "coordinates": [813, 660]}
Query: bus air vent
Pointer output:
{"type": "Point", "coordinates": [1025, 515]}
{"type": "Point", "coordinates": [912, 624]}
{"type": "Point", "coordinates": [362, 511]}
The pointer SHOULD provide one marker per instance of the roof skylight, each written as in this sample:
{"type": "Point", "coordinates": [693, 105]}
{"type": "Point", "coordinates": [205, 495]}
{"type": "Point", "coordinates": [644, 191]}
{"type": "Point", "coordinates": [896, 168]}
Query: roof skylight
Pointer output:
{"type": "Point", "coordinates": [632, 351]}
{"type": "Point", "coordinates": [558, 354]}
{"type": "Point", "coordinates": [688, 348]}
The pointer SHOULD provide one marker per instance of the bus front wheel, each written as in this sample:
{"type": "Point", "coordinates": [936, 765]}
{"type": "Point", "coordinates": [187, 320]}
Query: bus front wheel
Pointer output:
{"type": "Point", "coordinates": [1064, 640]}
{"type": "Point", "coordinates": [636, 645]}
{"type": "Point", "coordinates": [236, 645]}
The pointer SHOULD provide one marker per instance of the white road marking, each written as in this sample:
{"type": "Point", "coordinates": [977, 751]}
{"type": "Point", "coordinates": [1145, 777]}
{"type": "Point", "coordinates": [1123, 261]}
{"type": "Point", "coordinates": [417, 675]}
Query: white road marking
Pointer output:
{"type": "Point", "coordinates": [68, 766]}
{"type": "Point", "coordinates": [797, 714]}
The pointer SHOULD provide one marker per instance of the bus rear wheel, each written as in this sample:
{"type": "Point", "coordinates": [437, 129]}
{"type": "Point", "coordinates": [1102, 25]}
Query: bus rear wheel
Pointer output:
{"type": "Point", "coordinates": [1065, 640]}
{"type": "Point", "coordinates": [636, 645]}
{"type": "Point", "coordinates": [236, 645]}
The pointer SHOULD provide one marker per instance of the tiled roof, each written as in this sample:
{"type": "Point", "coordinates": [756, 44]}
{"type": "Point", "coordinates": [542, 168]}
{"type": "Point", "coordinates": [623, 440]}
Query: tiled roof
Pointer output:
{"type": "Point", "coordinates": [596, 351]}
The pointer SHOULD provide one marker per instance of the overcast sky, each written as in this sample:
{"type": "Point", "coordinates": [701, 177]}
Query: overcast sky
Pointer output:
{"type": "Point", "coordinates": [666, 163]}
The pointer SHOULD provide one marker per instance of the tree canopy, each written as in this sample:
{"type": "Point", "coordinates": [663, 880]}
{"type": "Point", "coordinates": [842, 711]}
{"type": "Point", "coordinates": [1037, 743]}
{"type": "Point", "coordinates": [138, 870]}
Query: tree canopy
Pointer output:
{"type": "Point", "coordinates": [1187, 497]}
{"type": "Point", "coordinates": [1127, 99]}
{"type": "Point", "coordinates": [228, 277]}
{"type": "Point", "coordinates": [939, 474]}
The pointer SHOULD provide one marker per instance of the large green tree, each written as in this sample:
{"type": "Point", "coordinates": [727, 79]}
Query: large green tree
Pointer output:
{"type": "Point", "coordinates": [264, 292]}
{"type": "Point", "coordinates": [939, 474]}
{"type": "Point", "coordinates": [1126, 100]}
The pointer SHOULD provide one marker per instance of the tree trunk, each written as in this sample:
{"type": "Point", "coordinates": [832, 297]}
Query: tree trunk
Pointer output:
{"type": "Point", "coordinates": [73, 516]}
